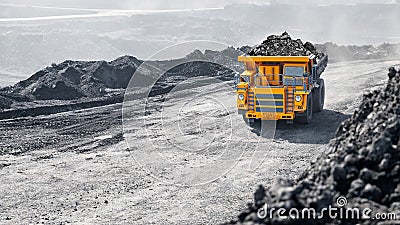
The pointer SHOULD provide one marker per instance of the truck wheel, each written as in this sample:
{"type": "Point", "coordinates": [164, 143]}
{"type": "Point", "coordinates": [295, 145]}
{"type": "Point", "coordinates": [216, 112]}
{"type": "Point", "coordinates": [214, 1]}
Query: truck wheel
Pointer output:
{"type": "Point", "coordinates": [306, 117]}
{"type": "Point", "coordinates": [319, 97]}
{"type": "Point", "coordinates": [249, 122]}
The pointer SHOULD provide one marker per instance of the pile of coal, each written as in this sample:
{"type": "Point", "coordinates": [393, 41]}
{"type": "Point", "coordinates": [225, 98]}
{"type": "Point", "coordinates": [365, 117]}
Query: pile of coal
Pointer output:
{"type": "Point", "coordinates": [360, 170]}
{"type": "Point", "coordinates": [284, 45]}
{"type": "Point", "coordinates": [74, 79]}
{"type": "Point", "coordinates": [5, 103]}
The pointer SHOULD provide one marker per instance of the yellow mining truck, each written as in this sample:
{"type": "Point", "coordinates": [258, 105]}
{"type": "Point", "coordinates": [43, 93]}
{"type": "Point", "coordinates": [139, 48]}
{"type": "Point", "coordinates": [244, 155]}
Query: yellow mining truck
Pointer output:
{"type": "Point", "coordinates": [281, 88]}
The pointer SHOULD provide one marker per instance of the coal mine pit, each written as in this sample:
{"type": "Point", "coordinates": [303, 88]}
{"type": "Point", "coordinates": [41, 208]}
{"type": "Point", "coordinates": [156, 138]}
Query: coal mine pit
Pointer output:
{"type": "Point", "coordinates": [362, 164]}
{"type": "Point", "coordinates": [209, 112]}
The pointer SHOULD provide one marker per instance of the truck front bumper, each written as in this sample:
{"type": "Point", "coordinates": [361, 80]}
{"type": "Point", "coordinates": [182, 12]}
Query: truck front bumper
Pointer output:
{"type": "Point", "coordinates": [269, 115]}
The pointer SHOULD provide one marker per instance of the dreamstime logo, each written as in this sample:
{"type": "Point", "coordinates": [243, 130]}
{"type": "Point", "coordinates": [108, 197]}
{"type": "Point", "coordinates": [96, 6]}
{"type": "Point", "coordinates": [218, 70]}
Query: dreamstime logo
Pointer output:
{"type": "Point", "coordinates": [180, 119]}
{"type": "Point", "coordinates": [330, 212]}
{"type": "Point", "coordinates": [341, 201]}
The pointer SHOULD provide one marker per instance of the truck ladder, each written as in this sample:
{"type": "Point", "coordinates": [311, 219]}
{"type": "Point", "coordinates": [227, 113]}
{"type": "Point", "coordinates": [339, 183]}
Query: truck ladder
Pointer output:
{"type": "Point", "coordinates": [289, 91]}
{"type": "Point", "coordinates": [250, 100]}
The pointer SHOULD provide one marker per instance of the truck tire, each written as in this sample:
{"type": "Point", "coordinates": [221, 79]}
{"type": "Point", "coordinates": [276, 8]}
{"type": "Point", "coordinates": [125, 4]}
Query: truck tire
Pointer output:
{"type": "Point", "coordinates": [248, 122]}
{"type": "Point", "coordinates": [319, 97]}
{"type": "Point", "coordinates": [306, 117]}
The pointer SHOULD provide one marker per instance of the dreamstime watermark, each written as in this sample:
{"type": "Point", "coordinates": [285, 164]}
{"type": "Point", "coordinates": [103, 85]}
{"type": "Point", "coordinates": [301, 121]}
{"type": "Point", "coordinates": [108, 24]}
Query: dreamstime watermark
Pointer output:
{"type": "Point", "coordinates": [330, 212]}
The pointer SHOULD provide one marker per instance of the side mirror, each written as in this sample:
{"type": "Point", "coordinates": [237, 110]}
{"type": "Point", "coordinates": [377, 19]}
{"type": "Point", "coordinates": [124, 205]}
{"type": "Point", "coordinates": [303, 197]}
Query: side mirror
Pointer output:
{"type": "Point", "coordinates": [236, 78]}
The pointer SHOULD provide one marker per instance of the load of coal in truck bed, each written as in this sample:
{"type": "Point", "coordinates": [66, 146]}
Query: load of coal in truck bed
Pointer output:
{"type": "Point", "coordinates": [284, 45]}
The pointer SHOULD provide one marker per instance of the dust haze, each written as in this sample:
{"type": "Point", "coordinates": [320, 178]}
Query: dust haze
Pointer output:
{"type": "Point", "coordinates": [97, 30]}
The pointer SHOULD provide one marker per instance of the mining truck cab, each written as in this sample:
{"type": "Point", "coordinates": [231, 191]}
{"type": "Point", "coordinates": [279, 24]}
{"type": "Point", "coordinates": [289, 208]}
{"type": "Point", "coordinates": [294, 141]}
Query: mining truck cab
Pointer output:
{"type": "Point", "coordinates": [280, 87]}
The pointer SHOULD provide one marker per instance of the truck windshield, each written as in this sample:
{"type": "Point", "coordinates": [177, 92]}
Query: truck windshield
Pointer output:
{"type": "Point", "coordinates": [296, 71]}
{"type": "Point", "coordinates": [244, 79]}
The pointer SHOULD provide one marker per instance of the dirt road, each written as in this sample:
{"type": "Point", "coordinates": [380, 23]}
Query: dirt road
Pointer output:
{"type": "Point", "coordinates": [190, 162]}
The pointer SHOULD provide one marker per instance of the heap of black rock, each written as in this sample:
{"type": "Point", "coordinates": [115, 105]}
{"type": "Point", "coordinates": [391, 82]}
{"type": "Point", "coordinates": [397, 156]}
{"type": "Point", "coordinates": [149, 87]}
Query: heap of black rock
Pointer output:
{"type": "Point", "coordinates": [361, 168]}
{"type": "Point", "coordinates": [284, 45]}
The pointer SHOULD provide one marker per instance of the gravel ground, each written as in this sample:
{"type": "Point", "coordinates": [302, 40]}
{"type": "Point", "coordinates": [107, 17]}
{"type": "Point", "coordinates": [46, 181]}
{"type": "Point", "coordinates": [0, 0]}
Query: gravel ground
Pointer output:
{"type": "Point", "coordinates": [73, 167]}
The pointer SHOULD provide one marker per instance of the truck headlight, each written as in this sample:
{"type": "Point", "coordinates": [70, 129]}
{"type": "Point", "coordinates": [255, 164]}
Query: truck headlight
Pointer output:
{"type": "Point", "coordinates": [241, 97]}
{"type": "Point", "coordinates": [298, 98]}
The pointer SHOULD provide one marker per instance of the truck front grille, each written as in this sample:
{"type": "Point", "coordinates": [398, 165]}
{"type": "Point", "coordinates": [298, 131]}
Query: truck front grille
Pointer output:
{"type": "Point", "coordinates": [269, 103]}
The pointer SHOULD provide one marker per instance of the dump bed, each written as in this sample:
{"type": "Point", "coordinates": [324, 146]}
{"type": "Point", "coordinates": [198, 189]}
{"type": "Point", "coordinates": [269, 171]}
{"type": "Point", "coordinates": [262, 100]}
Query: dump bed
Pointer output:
{"type": "Point", "coordinates": [318, 65]}
{"type": "Point", "coordinates": [275, 58]}
{"type": "Point", "coordinates": [322, 63]}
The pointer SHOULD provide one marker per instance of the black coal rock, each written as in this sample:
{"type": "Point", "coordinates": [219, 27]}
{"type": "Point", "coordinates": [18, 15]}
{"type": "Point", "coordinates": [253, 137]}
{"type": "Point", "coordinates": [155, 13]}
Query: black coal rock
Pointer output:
{"type": "Point", "coordinates": [339, 173]}
{"type": "Point", "coordinates": [371, 192]}
{"type": "Point", "coordinates": [356, 187]}
{"type": "Point", "coordinates": [259, 196]}
{"type": "Point", "coordinates": [392, 72]}
{"type": "Point", "coordinates": [366, 175]}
